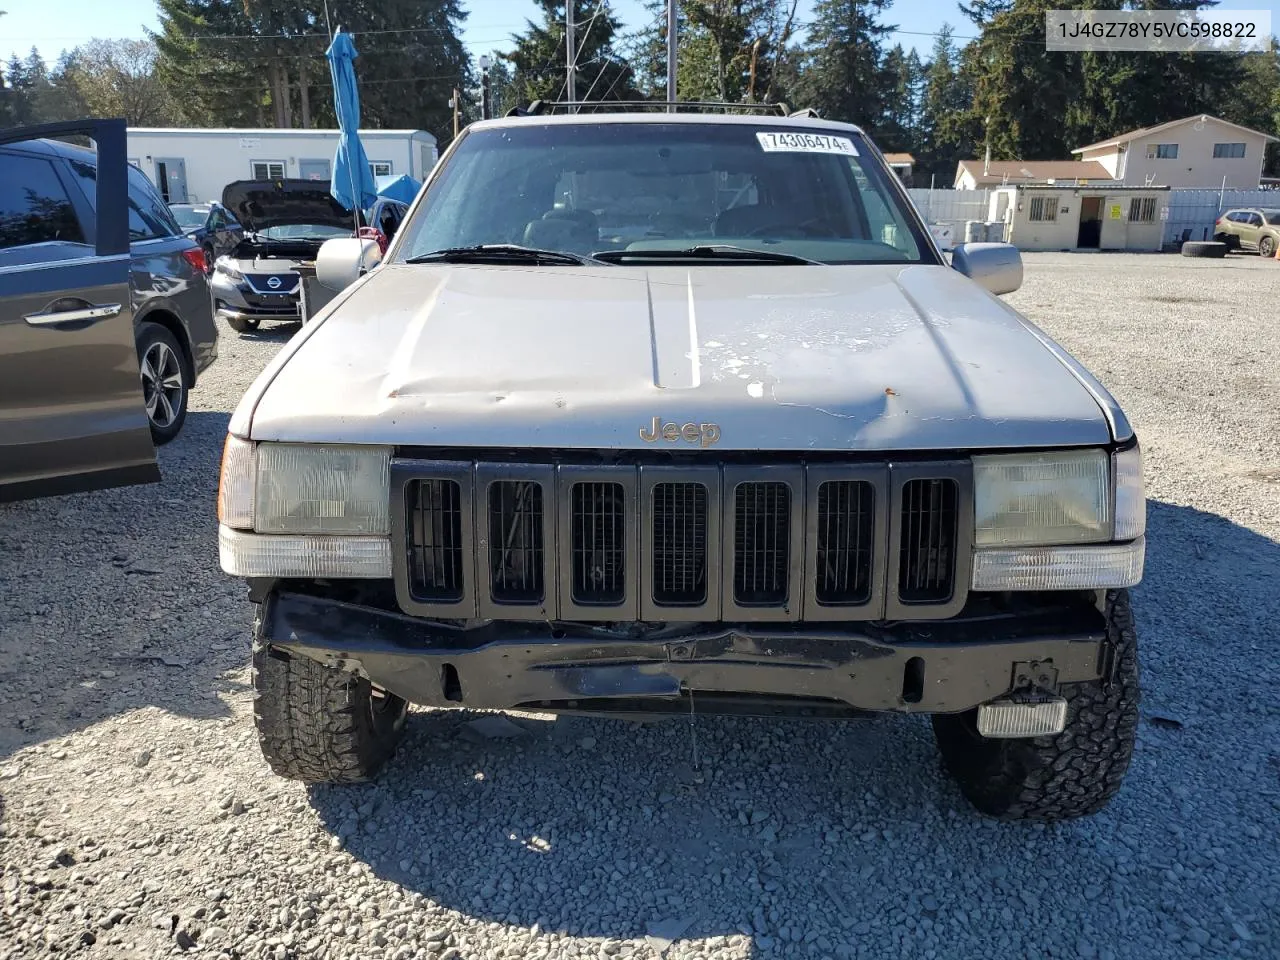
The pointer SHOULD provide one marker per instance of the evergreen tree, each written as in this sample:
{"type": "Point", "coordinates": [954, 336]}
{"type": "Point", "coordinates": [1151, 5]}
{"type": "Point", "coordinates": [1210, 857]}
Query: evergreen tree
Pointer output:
{"type": "Point", "coordinates": [903, 79]}
{"type": "Point", "coordinates": [540, 62]}
{"type": "Point", "coordinates": [842, 76]}
{"type": "Point", "coordinates": [945, 107]}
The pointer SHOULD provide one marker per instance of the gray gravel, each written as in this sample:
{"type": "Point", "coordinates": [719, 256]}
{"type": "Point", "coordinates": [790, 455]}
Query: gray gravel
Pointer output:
{"type": "Point", "coordinates": [139, 820]}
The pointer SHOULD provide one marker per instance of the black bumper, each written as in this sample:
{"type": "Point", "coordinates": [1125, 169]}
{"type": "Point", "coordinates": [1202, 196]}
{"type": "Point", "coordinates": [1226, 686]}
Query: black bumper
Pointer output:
{"type": "Point", "coordinates": [933, 667]}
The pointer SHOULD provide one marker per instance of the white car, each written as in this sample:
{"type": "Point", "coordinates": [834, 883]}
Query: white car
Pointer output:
{"type": "Point", "coordinates": [647, 409]}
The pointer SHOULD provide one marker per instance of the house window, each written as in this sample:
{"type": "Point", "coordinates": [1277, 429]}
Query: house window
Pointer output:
{"type": "Point", "coordinates": [1044, 209]}
{"type": "Point", "coordinates": [1142, 210]}
{"type": "Point", "coordinates": [380, 168]}
{"type": "Point", "coordinates": [268, 169]}
{"type": "Point", "coordinates": [1162, 151]}
{"type": "Point", "coordinates": [1228, 151]}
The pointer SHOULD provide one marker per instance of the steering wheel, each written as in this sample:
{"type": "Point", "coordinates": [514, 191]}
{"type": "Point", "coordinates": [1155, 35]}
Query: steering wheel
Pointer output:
{"type": "Point", "coordinates": [803, 229]}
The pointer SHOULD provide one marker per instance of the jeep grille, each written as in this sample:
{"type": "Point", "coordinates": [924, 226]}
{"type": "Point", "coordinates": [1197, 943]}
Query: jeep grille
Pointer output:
{"type": "Point", "coordinates": [669, 542]}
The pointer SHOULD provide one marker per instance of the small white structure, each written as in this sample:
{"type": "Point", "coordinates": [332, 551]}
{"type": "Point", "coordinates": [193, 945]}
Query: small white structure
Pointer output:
{"type": "Point", "coordinates": [1200, 151]}
{"type": "Point", "coordinates": [1051, 217]}
{"type": "Point", "coordinates": [194, 164]}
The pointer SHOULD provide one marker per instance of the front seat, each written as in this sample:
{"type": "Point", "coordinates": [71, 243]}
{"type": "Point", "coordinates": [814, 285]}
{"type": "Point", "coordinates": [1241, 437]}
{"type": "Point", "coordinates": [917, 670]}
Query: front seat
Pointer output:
{"type": "Point", "coordinates": [574, 230]}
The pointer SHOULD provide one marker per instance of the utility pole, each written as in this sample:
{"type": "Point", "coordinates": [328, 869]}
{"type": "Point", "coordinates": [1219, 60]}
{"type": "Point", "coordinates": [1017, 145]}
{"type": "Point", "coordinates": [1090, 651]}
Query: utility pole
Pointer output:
{"type": "Point", "coordinates": [671, 53]}
{"type": "Point", "coordinates": [570, 53]}
{"type": "Point", "coordinates": [454, 103]}
{"type": "Point", "coordinates": [484, 88]}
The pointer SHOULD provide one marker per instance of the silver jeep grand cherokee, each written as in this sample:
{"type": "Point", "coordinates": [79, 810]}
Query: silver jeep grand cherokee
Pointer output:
{"type": "Point", "coordinates": [647, 409]}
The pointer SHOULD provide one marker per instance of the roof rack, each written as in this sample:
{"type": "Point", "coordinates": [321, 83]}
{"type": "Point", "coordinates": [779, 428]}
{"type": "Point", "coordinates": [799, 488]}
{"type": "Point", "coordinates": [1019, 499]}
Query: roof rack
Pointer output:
{"type": "Point", "coordinates": [545, 107]}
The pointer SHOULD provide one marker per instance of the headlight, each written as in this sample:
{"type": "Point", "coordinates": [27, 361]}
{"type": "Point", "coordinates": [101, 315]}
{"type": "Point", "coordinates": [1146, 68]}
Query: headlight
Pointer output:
{"type": "Point", "coordinates": [330, 489]}
{"type": "Point", "coordinates": [228, 269]}
{"type": "Point", "coordinates": [297, 510]}
{"type": "Point", "coordinates": [1030, 499]}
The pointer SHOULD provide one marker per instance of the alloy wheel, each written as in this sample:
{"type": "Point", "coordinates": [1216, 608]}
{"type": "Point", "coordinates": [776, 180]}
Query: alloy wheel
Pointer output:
{"type": "Point", "coordinates": [162, 387]}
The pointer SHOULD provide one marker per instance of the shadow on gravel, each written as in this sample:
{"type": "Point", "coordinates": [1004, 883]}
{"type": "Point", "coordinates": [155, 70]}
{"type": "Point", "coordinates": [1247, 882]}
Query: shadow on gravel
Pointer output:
{"type": "Point", "coordinates": [270, 333]}
{"type": "Point", "coordinates": [113, 600]}
{"type": "Point", "coordinates": [835, 833]}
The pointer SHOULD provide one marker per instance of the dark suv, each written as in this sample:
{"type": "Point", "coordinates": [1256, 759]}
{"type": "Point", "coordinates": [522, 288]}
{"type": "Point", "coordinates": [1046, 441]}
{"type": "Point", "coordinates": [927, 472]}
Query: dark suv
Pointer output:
{"type": "Point", "coordinates": [49, 220]}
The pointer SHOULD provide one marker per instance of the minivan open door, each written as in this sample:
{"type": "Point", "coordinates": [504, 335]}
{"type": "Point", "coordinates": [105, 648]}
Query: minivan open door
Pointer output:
{"type": "Point", "coordinates": [71, 409]}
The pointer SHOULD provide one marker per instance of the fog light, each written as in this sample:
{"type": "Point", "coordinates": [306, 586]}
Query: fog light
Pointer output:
{"type": "Point", "coordinates": [1005, 719]}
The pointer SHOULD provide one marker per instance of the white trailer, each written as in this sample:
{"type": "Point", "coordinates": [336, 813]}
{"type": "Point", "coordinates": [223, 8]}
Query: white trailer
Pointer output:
{"type": "Point", "coordinates": [194, 164]}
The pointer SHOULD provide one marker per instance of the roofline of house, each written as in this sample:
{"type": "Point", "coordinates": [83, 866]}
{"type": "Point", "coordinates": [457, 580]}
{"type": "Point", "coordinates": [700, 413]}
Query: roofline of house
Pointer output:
{"type": "Point", "coordinates": [1145, 131]}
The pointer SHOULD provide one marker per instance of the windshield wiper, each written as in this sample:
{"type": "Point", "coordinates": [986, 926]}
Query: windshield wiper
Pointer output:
{"type": "Point", "coordinates": [499, 253]}
{"type": "Point", "coordinates": [705, 251]}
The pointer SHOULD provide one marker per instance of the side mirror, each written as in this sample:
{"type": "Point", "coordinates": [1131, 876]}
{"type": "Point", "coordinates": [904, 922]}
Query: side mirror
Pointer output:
{"type": "Point", "coordinates": [995, 266]}
{"type": "Point", "coordinates": [344, 260]}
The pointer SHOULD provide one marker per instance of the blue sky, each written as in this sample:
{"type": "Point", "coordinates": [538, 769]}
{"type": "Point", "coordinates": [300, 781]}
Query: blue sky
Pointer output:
{"type": "Point", "coordinates": [54, 25]}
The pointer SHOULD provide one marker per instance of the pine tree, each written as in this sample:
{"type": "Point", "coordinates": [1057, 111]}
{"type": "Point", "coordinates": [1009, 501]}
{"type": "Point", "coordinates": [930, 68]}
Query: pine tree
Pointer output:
{"type": "Point", "coordinates": [842, 76]}
{"type": "Point", "coordinates": [540, 62]}
{"type": "Point", "coordinates": [946, 134]}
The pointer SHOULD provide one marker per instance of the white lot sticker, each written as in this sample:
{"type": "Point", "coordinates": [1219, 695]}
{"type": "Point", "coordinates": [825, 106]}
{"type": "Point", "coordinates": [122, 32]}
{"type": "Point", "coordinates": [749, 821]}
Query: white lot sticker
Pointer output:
{"type": "Point", "coordinates": [805, 143]}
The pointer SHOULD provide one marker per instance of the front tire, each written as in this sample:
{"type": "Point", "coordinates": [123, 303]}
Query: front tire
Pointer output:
{"type": "Point", "coordinates": [1073, 774]}
{"type": "Point", "coordinates": [321, 725]}
{"type": "Point", "coordinates": [166, 381]}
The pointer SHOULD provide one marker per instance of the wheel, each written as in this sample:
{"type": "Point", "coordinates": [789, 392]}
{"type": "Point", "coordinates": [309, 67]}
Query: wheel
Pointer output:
{"type": "Point", "coordinates": [166, 379]}
{"type": "Point", "coordinates": [1267, 247]}
{"type": "Point", "coordinates": [1204, 248]}
{"type": "Point", "coordinates": [242, 324]}
{"type": "Point", "coordinates": [321, 725]}
{"type": "Point", "coordinates": [208, 260]}
{"type": "Point", "coordinates": [1071, 775]}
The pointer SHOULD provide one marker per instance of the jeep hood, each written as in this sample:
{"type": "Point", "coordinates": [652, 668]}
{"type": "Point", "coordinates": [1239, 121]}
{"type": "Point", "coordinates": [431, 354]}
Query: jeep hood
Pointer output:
{"type": "Point", "coordinates": [777, 357]}
{"type": "Point", "coordinates": [259, 204]}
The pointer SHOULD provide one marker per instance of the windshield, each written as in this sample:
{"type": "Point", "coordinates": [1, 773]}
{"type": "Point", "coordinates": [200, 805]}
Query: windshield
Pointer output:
{"type": "Point", "coordinates": [190, 217]}
{"type": "Point", "coordinates": [588, 189]}
{"type": "Point", "coordinates": [304, 231]}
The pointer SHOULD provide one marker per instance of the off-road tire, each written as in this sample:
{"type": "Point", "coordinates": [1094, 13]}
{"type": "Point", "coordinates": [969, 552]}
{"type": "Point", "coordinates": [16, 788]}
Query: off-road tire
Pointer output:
{"type": "Point", "coordinates": [1074, 774]}
{"type": "Point", "coordinates": [1204, 248]}
{"type": "Point", "coordinates": [318, 724]}
{"type": "Point", "coordinates": [241, 325]}
{"type": "Point", "coordinates": [1267, 247]}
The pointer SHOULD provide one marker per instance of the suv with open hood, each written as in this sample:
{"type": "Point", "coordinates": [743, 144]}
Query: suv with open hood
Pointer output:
{"type": "Point", "coordinates": [643, 411]}
{"type": "Point", "coordinates": [285, 222]}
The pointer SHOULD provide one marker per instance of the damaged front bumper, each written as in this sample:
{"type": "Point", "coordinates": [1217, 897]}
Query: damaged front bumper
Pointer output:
{"type": "Point", "coordinates": [761, 669]}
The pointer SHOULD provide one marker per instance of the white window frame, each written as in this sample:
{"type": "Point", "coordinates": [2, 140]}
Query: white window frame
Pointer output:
{"type": "Point", "coordinates": [1229, 154]}
{"type": "Point", "coordinates": [1043, 210]}
{"type": "Point", "coordinates": [1142, 210]}
{"type": "Point", "coordinates": [1170, 151]}
{"type": "Point", "coordinates": [253, 169]}
{"type": "Point", "coordinates": [374, 166]}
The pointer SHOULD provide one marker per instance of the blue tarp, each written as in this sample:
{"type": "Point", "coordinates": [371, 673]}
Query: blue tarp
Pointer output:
{"type": "Point", "coordinates": [352, 184]}
{"type": "Point", "coordinates": [400, 187]}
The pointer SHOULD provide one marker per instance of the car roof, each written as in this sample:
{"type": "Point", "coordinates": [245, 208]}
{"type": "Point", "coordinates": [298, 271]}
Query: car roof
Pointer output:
{"type": "Point", "coordinates": [54, 148]}
{"type": "Point", "coordinates": [621, 116]}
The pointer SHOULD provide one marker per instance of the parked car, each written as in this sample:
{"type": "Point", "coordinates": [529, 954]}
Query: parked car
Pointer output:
{"type": "Point", "coordinates": [209, 225]}
{"type": "Point", "coordinates": [1249, 228]}
{"type": "Point", "coordinates": [69, 296]}
{"type": "Point", "coordinates": [774, 456]}
{"type": "Point", "coordinates": [285, 221]}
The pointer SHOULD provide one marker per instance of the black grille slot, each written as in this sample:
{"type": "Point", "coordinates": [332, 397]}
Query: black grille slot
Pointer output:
{"type": "Point", "coordinates": [599, 543]}
{"type": "Point", "coordinates": [515, 542]}
{"type": "Point", "coordinates": [679, 544]}
{"type": "Point", "coordinates": [845, 532]}
{"type": "Point", "coordinates": [927, 561]}
{"type": "Point", "coordinates": [761, 542]}
{"type": "Point", "coordinates": [435, 544]}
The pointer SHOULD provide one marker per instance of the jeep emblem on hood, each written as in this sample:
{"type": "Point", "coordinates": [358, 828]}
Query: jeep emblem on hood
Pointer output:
{"type": "Point", "coordinates": [705, 433]}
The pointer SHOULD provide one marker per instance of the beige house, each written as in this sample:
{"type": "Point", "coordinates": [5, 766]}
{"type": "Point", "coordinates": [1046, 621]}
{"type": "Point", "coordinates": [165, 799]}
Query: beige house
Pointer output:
{"type": "Point", "coordinates": [901, 164]}
{"type": "Point", "coordinates": [1058, 217]}
{"type": "Point", "coordinates": [1198, 151]}
{"type": "Point", "coordinates": [982, 174]}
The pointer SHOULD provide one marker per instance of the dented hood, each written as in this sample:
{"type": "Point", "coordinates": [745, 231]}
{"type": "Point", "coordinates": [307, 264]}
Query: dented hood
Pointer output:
{"type": "Point", "coordinates": [888, 357]}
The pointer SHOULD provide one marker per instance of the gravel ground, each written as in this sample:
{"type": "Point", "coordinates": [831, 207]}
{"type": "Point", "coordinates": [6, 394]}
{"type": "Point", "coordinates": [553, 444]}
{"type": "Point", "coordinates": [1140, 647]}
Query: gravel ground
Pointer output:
{"type": "Point", "coordinates": [139, 819]}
